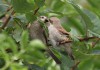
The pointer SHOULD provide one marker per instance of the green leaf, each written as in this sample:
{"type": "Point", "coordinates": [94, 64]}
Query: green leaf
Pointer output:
{"type": "Point", "coordinates": [65, 26]}
{"type": "Point", "coordinates": [2, 62]}
{"type": "Point", "coordinates": [94, 34]}
{"type": "Point", "coordinates": [88, 23]}
{"type": "Point", "coordinates": [66, 63]}
{"type": "Point", "coordinates": [39, 3]}
{"type": "Point", "coordinates": [30, 1]}
{"type": "Point", "coordinates": [2, 37]}
{"type": "Point", "coordinates": [81, 56]}
{"type": "Point", "coordinates": [3, 7]}
{"type": "Point", "coordinates": [35, 67]}
{"type": "Point", "coordinates": [30, 16]}
{"type": "Point", "coordinates": [61, 8]}
{"type": "Point", "coordinates": [96, 63]}
{"type": "Point", "coordinates": [37, 44]}
{"type": "Point", "coordinates": [95, 3]}
{"type": "Point", "coordinates": [24, 40]}
{"type": "Point", "coordinates": [34, 56]}
{"type": "Point", "coordinates": [95, 20]}
{"type": "Point", "coordinates": [38, 54]}
{"type": "Point", "coordinates": [86, 65]}
{"type": "Point", "coordinates": [22, 6]}
{"type": "Point", "coordinates": [57, 6]}
{"type": "Point", "coordinates": [57, 53]}
{"type": "Point", "coordinates": [15, 66]}
{"type": "Point", "coordinates": [76, 23]}
{"type": "Point", "coordinates": [19, 22]}
{"type": "Point", "coordinates": [13, 44]}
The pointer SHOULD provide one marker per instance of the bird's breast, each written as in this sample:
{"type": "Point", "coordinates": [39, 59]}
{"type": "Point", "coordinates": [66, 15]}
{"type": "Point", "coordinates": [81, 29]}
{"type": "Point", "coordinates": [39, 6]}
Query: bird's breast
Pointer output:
{"type": "Point", "coordinates": [54, 33]}
{"type": "Point", "coordinates": [52, 30]}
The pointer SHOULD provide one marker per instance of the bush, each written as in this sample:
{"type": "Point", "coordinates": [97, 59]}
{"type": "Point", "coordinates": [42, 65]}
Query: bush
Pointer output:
{"type": "Point", "coordinates": [80, 17]}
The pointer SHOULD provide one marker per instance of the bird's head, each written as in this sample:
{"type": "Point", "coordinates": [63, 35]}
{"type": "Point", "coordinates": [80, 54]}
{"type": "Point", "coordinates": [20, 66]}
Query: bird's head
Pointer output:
{"type": "Point", "coordinates": [44, 19]}
{"type": "Point", "coordinates": [55, 20]}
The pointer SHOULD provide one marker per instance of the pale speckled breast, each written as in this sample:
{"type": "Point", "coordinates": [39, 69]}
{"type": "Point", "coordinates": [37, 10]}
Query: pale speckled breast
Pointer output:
{"type": "Point", "coordinates": [54, 33]}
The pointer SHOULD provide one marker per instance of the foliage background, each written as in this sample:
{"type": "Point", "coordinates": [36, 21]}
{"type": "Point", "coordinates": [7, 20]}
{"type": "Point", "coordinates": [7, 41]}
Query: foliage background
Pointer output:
{"type": "Point", "coordinates": [80, 17]}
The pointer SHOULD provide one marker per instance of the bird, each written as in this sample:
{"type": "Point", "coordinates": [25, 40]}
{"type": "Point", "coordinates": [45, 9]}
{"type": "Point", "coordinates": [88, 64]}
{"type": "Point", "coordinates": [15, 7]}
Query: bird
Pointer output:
{"type": "Point", "coordinates": [56, 22]}
{"type": "Point", "coordinates": [57, 34]}
{"type": "Point", "coordinates": [36, 31]}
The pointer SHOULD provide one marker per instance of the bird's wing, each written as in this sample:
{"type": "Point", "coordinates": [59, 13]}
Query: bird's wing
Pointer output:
{"type": "Point", "coordinates": [56, 22]}
{"type": "Point", "coordinates": [63, 31]}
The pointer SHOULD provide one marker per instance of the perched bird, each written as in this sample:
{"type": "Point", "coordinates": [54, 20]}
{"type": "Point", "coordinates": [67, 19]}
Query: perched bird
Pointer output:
{"type": "Point", "coordinates": [56, 22]}
{"type": "Point", "coordinates": [36, 31]}
{"type": "Point", "coordinates": [57, 34]}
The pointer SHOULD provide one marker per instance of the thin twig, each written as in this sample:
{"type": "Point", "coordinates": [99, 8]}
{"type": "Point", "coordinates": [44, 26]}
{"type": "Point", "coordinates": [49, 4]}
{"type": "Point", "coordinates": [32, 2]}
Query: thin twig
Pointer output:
{"type": "Point", "coordinates": [7, 20]}
{"type": "Point", "coordinates": [81, 39]}
{"type": "Point", "coordinates": [88, 38]}
{"type": "Point", "coordinates": [36, 11]}
{"type": "Point", "coordinates": [3, 15]}
{"type": "Point", "coordinates": [75, 66]}
{"type": "Point", "coordinates": [28, 25]}
{"type": "Point", "coordinates": [53, 56]}
{"type": "Point", "coordinates": [94, 43]}
{"type": "Point", "coordinates": [9, 9]}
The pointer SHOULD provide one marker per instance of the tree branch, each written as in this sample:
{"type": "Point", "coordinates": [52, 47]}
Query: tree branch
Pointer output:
{"type": "Point", "coordinates": [3, 15]}
{"type": "Point", "coordinates": [75, 66]}
{"type": "Point", "coordinates": [94, 43]}
{"type": "Point", "coordinates": [81, 39]}
{"type": "Point", "coordinates": [53, 56]}
{"type": "Point", "coordinates": [7, 20]}
{"type": "Point", "coordinates": [36, 11]}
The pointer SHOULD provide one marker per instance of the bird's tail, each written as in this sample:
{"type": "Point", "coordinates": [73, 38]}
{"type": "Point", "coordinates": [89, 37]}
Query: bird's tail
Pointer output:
{"type": "Point", "coordinates": [69, 50]}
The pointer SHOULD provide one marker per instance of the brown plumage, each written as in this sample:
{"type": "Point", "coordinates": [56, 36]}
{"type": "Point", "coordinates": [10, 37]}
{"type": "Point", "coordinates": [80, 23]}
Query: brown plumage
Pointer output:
{"type": "Point", "coordinates": [58, 34]}
{"type": "Point", "coordinates": [36, 31]}
{"type": "Point", "coordinates": [56, 22]}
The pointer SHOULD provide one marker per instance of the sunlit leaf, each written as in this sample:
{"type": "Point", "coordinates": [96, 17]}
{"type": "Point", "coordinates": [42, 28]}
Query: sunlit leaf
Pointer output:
{"type": "Point", "coordinates": [40, 3]}
{"type": "Point", "coordinates": [22, 6]}
{"type": "Point", "coordinates": [88, 23]}
{"type": "Point", "coordinates": [30, 16]}
{"type": "Point", "coordinates": [94, 3]}
{"type": "Point", "coordinates": [15, 66]}
{"type": "Point", "coordinates": [66, 63]}
{"type": "Point", "coordinates": [36, 67]}
{"type": "Point", "coordinates": [95, 20]}
{"type": "Point", "coordinates": [37, 44]}
{"type": "Point", "coordinates": [86, 65]}
{"type": "Point", "coordinates": [24, 40]}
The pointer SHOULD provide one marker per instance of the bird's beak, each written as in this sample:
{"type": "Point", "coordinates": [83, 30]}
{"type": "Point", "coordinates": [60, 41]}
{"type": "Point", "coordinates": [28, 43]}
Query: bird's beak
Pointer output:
{"type": "Point", "coordinates": [46, 20]}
